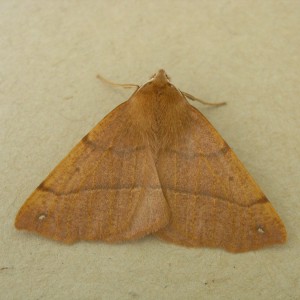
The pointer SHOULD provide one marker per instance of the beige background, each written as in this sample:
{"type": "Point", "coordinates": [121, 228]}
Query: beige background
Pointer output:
{"type": "Point", "coordinates": [244, 52]}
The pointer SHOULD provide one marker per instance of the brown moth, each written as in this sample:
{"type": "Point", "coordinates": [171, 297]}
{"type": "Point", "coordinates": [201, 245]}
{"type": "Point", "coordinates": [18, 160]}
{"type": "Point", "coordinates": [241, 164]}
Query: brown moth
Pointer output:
{"type": "Point", "coordinates": [154, 165]}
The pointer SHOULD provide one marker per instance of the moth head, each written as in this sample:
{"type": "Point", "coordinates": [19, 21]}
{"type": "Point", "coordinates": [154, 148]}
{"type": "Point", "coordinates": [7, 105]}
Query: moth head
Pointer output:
{"type": "Point", "coordinates": [160, 76]}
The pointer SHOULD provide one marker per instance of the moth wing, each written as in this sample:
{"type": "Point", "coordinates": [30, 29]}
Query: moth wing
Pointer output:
{"type": "Point", "coordinates": [107, 188]}
{"type": "Point", "coordinates": [213, 200]}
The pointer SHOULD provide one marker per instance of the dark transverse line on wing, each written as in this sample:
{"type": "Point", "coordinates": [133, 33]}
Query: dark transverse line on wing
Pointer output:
{"type": "Point", "coordinates": [182, 154]}
{"type": "Point", "coordinates": [44, 188]}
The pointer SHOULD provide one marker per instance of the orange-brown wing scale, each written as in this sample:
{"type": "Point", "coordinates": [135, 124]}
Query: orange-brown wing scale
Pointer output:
{"type": "Point", "coordinates": [107, 189]}
{"type": "Point", "coordinates": [213, 200]}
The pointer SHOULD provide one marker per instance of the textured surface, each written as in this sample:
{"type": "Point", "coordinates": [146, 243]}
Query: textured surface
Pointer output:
{"type": "Point", "coordinates": [243, 52]}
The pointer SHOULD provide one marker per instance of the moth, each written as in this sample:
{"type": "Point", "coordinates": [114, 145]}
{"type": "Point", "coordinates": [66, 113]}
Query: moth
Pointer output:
{"type": "Point", "coordinates": [154, 165]}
